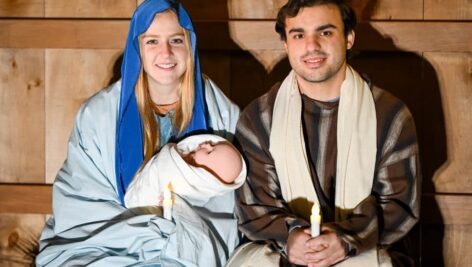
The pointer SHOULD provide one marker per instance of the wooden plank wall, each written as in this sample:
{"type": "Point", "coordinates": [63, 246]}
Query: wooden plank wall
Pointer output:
{"type": "Point", "coordinates": [55, 53]}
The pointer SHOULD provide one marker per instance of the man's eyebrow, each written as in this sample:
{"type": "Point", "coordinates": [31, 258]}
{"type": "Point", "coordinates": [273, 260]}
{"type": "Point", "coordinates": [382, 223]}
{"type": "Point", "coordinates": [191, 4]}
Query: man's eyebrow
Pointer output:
{"type": "Point", "coordinates": [318, 29]}
{"type": "Point", "coordinates": [297, 30]}
{"type": "Point", "coordinates": [326, 26]}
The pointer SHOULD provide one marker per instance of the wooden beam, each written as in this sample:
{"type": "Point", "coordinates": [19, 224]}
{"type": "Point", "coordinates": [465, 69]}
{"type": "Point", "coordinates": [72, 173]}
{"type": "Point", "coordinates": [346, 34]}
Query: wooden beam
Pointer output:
{"type": "Point", "coordinates": [63, 33]}
{"type": "Point", "coordinates": [90, 8]}
{"type": "Point", "coordinates": [233, 35]}
{"type": "Point", "coordinates": [374, 36]}
{"type": "Point", "coordinates": [25, 198]}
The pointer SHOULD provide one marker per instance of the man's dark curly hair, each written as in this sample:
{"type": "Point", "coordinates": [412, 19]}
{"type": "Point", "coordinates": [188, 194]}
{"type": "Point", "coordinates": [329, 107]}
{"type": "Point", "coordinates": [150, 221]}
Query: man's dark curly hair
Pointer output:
{"type": "Point", "coordinates": [292, 7]}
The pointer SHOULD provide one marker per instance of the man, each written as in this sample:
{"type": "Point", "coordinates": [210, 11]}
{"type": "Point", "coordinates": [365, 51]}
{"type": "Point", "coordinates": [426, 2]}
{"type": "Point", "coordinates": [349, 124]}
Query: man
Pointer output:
{"type": "Point", "coordinates": [325, 136]}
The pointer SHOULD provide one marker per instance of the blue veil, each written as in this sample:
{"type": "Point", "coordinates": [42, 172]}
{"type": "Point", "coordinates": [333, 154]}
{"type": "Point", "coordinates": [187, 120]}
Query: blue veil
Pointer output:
{"type": "Point", "coordinates": [129, 130]}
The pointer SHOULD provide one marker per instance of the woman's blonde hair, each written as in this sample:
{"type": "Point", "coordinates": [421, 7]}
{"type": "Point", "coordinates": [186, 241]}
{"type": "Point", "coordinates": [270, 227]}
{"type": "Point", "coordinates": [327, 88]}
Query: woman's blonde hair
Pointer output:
{"type": "Point", "coordinates": [183, 112]}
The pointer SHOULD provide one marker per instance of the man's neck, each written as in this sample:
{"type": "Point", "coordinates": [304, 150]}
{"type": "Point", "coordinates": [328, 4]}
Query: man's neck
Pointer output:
{"type": "Point", "coordinates": [322, 91]}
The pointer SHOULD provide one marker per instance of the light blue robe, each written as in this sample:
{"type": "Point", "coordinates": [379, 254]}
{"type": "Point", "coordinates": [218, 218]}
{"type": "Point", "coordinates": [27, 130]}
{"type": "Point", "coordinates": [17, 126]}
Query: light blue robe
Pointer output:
{"type": "Point", "coordinates": [89, 225]}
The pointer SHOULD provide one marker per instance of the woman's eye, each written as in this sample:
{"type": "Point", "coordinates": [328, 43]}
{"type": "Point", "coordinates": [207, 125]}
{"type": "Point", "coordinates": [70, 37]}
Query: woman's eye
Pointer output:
{"type": "Point", "coordinates": [151, 41]}
{"type": "Point", "coordinates": [176, 41]}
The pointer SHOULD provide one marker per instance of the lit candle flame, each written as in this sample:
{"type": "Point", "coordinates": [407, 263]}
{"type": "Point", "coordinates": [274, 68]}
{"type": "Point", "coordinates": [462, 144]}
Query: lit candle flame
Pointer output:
{"type": "Point", "coordinates": [167, 202]}
{"type": "Point", "coordinates": [315, 220]}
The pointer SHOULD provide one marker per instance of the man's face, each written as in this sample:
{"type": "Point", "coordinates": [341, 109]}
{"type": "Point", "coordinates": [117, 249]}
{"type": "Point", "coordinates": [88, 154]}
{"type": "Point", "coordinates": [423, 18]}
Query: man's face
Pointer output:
{"type": "Point", "coordinates": [316, 45]}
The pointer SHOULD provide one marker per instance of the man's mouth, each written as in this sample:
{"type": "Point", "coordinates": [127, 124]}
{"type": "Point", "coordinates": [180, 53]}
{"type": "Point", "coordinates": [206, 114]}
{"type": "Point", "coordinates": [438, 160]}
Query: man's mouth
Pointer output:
{"type": "Point", "coordinates": [314, 61]}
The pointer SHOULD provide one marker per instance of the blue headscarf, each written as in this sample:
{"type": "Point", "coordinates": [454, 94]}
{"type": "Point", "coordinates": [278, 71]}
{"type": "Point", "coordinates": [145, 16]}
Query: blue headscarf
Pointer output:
{"type": "Point", "coordinates": [129, 132]}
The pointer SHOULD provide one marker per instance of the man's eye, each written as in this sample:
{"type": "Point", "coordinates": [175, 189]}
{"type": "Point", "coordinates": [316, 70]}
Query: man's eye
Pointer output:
{"type": "Point", "coordinates": [326, 33]}
{"type": "Point", "coordinates": [298, 36]}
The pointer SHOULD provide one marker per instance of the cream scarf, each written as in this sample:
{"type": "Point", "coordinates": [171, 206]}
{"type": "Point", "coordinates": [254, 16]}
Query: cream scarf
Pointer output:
{"type": "Point", "coordinates": [356, 154]}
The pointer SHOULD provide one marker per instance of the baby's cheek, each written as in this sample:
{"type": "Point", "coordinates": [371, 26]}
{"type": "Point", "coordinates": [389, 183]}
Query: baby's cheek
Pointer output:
{"type": "Point", "coordinates": [199, 157]}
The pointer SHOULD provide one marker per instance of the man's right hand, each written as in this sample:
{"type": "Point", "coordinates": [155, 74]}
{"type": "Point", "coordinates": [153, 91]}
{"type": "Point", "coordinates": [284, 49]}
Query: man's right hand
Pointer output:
{"type": "Point", "coordinates": [296, 248]}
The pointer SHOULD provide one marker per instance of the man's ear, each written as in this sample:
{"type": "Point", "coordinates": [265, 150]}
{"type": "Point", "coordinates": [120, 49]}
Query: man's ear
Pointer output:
{"type": "Point", "coordinates": [285, 45]}
{"type": "Point", "coordinates": [351, 36]}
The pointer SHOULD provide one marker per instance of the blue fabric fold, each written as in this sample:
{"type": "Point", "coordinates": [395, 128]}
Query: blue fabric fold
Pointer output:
{"type": "Point", "coordinates": [129, 133]}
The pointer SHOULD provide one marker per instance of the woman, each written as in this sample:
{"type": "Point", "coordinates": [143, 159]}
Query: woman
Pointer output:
{"type": "Point", "coordinates": [162, 97]}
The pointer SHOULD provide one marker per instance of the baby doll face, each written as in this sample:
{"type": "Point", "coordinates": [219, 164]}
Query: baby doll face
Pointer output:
{"type": "Point", "coordinates": [221, 159]}
{"type": "Point", "coordinates": [204, 151]}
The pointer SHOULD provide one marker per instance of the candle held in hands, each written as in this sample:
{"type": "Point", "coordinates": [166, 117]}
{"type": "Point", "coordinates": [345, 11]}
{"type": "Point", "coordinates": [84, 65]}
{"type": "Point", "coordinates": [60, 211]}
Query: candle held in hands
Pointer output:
{"type": "Point", "coordinates": [167, 202]}
{"type": "Point", "coordinates": [315, 220]}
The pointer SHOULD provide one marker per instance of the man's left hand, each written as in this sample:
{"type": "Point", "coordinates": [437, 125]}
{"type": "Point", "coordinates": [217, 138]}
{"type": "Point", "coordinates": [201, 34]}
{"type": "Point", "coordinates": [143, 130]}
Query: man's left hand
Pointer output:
{"type": "Point", "coordinates": [324, 250]}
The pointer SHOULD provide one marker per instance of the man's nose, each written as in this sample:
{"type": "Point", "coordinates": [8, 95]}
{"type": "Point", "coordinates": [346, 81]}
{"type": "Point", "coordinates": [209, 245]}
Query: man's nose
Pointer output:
{"type": "Point", "coordinates": [312, 43]}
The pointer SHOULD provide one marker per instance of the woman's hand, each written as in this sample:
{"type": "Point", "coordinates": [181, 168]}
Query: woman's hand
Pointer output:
{"type": "Point", "coordinates": [160, 200]}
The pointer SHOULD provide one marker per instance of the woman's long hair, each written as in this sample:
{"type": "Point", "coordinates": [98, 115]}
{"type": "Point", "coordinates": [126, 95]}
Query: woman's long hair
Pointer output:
{"type": "Point", "coordinates": [183, 111]}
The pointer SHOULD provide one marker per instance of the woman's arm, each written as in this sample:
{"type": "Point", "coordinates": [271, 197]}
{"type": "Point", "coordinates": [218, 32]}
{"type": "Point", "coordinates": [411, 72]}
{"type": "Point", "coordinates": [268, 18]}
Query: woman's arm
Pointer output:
{"type": "Point", "coordinates": [88, 223]}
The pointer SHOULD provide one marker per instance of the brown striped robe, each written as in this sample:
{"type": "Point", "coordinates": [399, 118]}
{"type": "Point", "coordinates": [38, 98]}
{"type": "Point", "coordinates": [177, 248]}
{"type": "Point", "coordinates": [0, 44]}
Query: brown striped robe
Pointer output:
{"type": "Point", "coordinates": [383, 218]}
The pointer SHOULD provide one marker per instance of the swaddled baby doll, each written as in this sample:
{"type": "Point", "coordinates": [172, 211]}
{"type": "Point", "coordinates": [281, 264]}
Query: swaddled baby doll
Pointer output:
{"type": "Point", "coordinates": [199, 167]}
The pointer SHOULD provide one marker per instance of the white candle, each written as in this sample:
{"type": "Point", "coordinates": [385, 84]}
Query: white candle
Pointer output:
{"type": "Point", "coordinates": [167, 202]}
{"type": "Point", "coordinates": [315, 220]}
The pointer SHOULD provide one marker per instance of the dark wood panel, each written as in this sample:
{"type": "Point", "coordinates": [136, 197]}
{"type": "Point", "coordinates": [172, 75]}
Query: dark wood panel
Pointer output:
{"type": "Point", "coordinates": [90, 8]}
{"type": "Point", "coordinates": [19, 235]}
{"type": "Point", "coordinates": [414, 80]}
{"type": "Point", "coordinates": [446, 209]}
{"type": "Point", "coordinates": [52, 33]}
{"type": "Point", "coordinates": [22, 8]}
{"type": "Point", "coordinates": [209, 9]}
{"type": "Point", "coordinates": [16, 198]}
{"type": "Point", "coordinates": [388, 9]}
{"type": "Point", "coordinates": [251, 9]}
{"type": "Point", "coordinates": [22, 121]}
{"type": "Point", "coordinates": [66, 68]}
{"type": "Point", "coordinates": [457, 245]}
{"type": "Point", "coordinates": [450, 9]}
{"type": "Point", "coordinates": [229, 9]}
{"type": "Point", "coordinates": [455, 79]}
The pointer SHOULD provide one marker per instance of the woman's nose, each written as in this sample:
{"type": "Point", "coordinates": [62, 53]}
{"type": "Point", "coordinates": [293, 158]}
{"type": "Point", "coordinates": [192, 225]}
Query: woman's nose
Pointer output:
{"type": "Point", "coordinates": [165, 49]}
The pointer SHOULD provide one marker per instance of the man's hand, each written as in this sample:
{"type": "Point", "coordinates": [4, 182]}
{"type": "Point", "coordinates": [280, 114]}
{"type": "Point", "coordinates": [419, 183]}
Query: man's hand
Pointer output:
{"type": "Point", "coordinates": [324, 250]}
{"type": "Point", "coordinates": [296, 246]}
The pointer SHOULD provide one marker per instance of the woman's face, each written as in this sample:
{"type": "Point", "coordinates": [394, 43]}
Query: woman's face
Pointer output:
{"type": "Point", "coordinates": [164, 51]}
